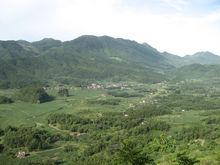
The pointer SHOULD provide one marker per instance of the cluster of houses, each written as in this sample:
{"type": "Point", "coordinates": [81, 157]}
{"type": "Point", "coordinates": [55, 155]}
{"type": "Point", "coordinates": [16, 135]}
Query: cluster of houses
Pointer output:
{"type": "Point", "coordinates": [107, 86]}
{"type": "Point", "coordinates": [95, 86]}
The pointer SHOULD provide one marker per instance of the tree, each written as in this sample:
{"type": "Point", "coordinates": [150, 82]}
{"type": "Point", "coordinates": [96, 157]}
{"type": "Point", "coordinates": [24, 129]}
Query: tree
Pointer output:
{"type": "Point", "coordinates": [131, 154]}
{"type": "Point", "coordinates": [183, 159]}
{"type": "Point", "coordinates": [63, 92]}
{"type": "Point", "coordinates": [1, 148]}
{"type": "Point", "coordinates": [29, 137]}
{"type": "Point", "coordinates": [5, 100]}
{"type": "Point", "coordinates": [33, 94]}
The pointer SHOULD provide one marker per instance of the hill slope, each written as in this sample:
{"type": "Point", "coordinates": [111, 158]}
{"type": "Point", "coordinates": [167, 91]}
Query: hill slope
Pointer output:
{"type": "Point", "coordinates": [202, 58]}
{"type": "Point", "coordinates": [205, 58]}
{"type": "Point", "coordinates": [85, 59]}
{"type": "Point", "coordinates": [197, 71]}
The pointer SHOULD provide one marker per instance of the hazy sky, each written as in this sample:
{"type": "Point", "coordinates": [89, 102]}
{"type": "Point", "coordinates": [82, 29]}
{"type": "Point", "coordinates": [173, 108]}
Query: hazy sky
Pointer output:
{"type": "Point", "coordinates": [177, 26]}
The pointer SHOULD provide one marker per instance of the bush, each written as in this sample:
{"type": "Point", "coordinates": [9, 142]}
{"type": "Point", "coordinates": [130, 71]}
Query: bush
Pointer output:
{"type": "Point", "coordinates": [70, 148]}
{"type": "Point", "coordinates": [33, 94]}
{"type": "Point", "coordinates": [197, 132]}
{"type": "Point", "coordinates": [1, 148]}
{"type": "Point", "coordinates": [63, 92]}
{"type": "Point", "coordinates": [105, 102]}
{"type": "Point", "coordinates": [131, 154]}
{"type": "Point", "coordinates": [29, 137]}
{"type": "Point", "coordinates": [183, 159]}
{"type": "Point", "coordinates": [214, 120]}
{"type": "Point", "coordinates": [5, 100]}
{"type": "Point", "coordinates": [124, 94]}
{"type": "Point", "coordinates": [1, 132]}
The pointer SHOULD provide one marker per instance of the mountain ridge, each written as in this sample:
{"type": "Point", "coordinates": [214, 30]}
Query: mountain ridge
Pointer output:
{"type": "Point", "coordinates": [87, 59]}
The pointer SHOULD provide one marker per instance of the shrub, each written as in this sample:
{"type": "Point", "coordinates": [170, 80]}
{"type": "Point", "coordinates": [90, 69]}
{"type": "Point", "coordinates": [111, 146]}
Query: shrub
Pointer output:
{"type": "Point", "coordinates": [5, 100]}
{"type": "Point", "coordinates": [63, 92]}
{"type": "Point", "coordinates": [1, 132]}
{"type": "Point", "coordinates": [183, 159]}
{"type": "Point", "coordinates": [33, 94]}
{"type": "Point", "coordinates": [70, 148]}
{"type": "Point", "coordinates": [105, 102]}
{"type": "Point", "coordinates": [131, 154]}
{"type": "Point", "coordinates": [29, 137]}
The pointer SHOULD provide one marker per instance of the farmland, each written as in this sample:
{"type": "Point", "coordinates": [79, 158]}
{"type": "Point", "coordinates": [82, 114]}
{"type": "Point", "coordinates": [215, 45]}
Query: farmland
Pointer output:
{"type": "Point", "coordinates": [162, 119]}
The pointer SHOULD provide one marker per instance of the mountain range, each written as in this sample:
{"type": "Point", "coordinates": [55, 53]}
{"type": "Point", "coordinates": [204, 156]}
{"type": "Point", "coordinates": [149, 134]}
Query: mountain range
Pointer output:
{"type": "Point", "coordinates": [90, 58]}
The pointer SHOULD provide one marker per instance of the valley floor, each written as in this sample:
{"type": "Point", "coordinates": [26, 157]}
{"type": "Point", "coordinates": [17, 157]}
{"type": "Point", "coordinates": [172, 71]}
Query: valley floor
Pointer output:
{"type": "Point", "coordinates": [165, 121]}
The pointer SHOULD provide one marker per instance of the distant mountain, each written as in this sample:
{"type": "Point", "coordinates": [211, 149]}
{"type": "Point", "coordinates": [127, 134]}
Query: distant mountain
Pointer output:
{"type": "Point", "coordinates": [46, 44]}
{"type": "Point", "coordinates": [90, 58]}
{"type": "Point", "coordinates": [85, 59]}
{"type": "Point", "coordinates": [205, 58]}
{"type": "Point", "coordinates": [174, 60]}
{"type": "Point", "coordinates": [202, 58]}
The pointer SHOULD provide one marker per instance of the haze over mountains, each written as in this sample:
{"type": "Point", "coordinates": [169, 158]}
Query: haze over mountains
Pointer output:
{"type": "Point", "coordinates": [90, 58]}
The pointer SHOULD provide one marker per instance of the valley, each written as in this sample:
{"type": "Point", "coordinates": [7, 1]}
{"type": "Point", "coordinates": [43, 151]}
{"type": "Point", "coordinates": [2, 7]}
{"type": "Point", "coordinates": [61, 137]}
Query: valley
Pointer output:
{"type": "Point", "coordinates": [103, 100]}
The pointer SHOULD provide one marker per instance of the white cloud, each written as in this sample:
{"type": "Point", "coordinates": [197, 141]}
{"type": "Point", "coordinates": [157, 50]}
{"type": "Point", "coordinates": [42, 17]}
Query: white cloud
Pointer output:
{"type": "Point", "coordinates": [177, 4]}
{"type": "Point", "coordinates": [178, 31]}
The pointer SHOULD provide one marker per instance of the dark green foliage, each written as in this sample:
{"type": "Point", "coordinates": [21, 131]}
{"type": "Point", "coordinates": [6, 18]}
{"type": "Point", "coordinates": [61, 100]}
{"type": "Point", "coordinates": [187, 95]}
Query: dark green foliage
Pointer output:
{"type": "Point", "coordinates": [133, 155]}
{"type": "Point", "coordinates": [214, 120]}
{"type": "Point", "coordinates": [198, 132]}
{"type": "Point", "coordinates": [63, 92]}
{"type": "Point", "coordinates": [94, 148]}
{"type": "Point", "coordinates": [189, 102]}
{"type": "Point", "coordinates": [70, 122]}
{"type": "Point", "coordinates": [163, 143]}
{"type": "Point", "coordinates": [5, 100]}
{"type": "Point", "coordinates": [33, 94]}
{"type": "Point", "coordinates": [124, 94]}
{"type": "Point", "coordinates": [149, 111]}
{"type": "Point", "coordinates": [7, 160]}
{"type": "Point", "coordinates": [70, 148]}
{"type": "Point", "coordinates": [1, 132]}
{"type": "Point", "coordinates": [105, 102]}
{"type": "Point", "coordinates": [109, 120]}
{"type": "Point", "coordinates": [150, 125]}
{"type": "Point", "coordinates": [29, 137]}
{"type": "Point", "coordinates": [183, 159]}
{"type": "Point", "coordinates": [1, 148]}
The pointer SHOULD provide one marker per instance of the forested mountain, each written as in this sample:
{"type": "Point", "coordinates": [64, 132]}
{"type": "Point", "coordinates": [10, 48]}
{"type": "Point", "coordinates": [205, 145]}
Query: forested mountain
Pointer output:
{"type": "Point", "coordinates": [202, 58]}
{"type": "Point", "coordinates": [205, 58]}
{"type": "Point", "coordinates": [87, 59]}
{"type": "Point", "coordinates": [174, 60]}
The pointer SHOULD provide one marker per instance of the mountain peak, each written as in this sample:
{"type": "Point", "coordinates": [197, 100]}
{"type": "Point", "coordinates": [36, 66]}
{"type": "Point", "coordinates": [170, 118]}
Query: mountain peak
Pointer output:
{"type": "Point", "coordinates": [204, 53]}
{"type": "Point", "coordinates": [46, 44]}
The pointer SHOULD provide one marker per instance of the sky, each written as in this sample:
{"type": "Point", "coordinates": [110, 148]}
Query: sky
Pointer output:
{"type": "Point", "coordinates": [180, 27]}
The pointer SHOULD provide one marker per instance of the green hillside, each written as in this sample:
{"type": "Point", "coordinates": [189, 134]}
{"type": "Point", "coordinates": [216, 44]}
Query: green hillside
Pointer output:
{"type": "Point", "coordinates": [204, 58]}
{"type": "Point", "coordinates": [85, 59]}
{"type": "Point", "coordinates": [90, 59]}
{"type": "Point", "coordinates": [197, 71]}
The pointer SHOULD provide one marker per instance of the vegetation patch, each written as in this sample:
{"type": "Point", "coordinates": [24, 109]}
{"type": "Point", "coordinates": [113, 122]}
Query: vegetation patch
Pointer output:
{"type": "Point", "coordinates": [5, 100]}
{"type": "Point", "coordinates": [33, 94]}
{"type": "Point", "coordinates": [105, 101]}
